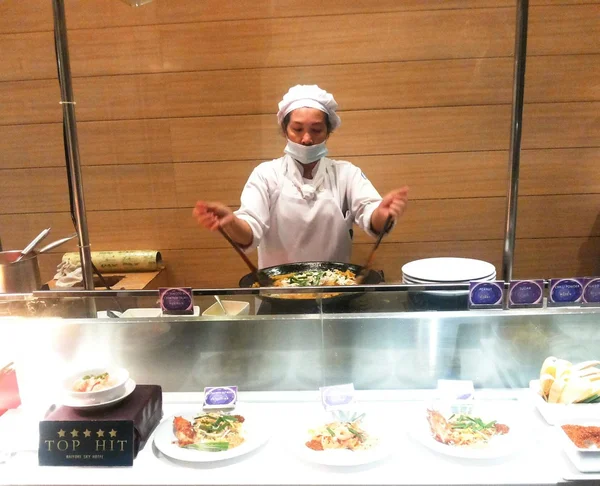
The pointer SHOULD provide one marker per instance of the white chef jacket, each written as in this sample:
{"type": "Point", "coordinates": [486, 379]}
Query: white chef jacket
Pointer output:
{"type": "Point", "coordinates": [288, 228]}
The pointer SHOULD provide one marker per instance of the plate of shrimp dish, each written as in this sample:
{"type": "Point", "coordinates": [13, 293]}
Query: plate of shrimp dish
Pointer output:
{"type": "Point", "coordinates": [474, 435]}
{"type": "Point", "coordinates": [208, 436]}
{"type": "Point", "coordinates": [341, 441]}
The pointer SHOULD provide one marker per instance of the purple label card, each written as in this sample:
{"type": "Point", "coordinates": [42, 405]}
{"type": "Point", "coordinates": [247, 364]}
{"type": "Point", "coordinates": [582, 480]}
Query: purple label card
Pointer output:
{"type": "Point", "coordinates": [456, 396]}
{"type": "Point", "coordinates": [565, 291]}
{"type": "Point", "coordinates": [338, 397]}
{"type": "Point", "coordinates": [176, 300]}
{"type": "Point", "coordinates": [220, 397]}
{"type": "Point", "coordinates": [526, 293]}
{"type": "Point", "coordinates": [486, 295]}
{"type": "Point", "coordinates": [591, 291]}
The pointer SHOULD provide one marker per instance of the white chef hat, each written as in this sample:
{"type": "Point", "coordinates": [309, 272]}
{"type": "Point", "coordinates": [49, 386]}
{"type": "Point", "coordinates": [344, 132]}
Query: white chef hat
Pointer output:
{"type": "Point", "coordinates": [309, 96]}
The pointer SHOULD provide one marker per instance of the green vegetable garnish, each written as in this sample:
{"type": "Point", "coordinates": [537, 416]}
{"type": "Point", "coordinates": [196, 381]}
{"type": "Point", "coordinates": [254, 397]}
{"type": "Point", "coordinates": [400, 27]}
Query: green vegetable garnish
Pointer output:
{"type": "Point", "coordinates": [331, 433]}
{"type": "Point", "coordinates": [473, 423]}
{"type": "Point", "coordinates": [209, 446]}
{"type": "Point", "coordinates": [355, 432]}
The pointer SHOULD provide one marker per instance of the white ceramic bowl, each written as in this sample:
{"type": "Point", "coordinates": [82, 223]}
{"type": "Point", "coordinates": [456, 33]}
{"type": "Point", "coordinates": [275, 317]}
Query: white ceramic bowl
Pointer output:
{"type": "Point", "coordinates": [118, 378]}
{"type": "Point", "coordinates": [233, 308]}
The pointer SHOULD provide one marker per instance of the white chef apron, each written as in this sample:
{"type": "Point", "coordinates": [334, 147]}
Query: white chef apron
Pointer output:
{"type": "Point", "coordinates": [306, 230]}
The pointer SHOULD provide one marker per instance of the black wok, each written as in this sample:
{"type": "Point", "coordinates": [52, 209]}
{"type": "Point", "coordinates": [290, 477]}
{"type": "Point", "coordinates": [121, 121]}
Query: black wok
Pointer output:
{"type": "Point", "coordinates": [371, 278]}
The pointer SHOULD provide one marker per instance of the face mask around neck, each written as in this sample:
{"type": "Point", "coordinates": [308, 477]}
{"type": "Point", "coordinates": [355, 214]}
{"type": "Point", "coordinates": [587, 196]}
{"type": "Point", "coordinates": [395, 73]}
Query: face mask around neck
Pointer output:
{"type": "Point", "coordinates": [305, 154]}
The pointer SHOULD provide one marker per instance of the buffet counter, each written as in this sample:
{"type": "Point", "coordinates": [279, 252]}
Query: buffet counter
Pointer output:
{"type": "Point", "coordinates": [394, 359]}
{"type": "Point", "coordinates": [537, 461]}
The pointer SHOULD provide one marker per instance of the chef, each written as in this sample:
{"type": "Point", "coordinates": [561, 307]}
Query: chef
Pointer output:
{"type": "Point", "coordinates": [301, 207]}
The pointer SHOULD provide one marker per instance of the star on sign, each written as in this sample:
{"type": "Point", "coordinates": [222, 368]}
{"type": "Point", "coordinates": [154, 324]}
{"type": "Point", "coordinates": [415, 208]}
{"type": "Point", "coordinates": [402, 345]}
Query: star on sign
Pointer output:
{"type": "Point", "coordinates": [87, 433]}
{"type": "Point", "coordinates": [74, 433]}
{"type": "Point", "coordinates": [100, 433]}
{"type": "Point", "coordinates": [113, 433]}
{"type": "Point", "coordinates": [61, 433]}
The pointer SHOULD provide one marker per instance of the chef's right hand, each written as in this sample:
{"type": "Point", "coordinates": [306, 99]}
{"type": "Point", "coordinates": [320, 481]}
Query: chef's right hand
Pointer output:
{"type": "Point", "coordinates": [212, 215]}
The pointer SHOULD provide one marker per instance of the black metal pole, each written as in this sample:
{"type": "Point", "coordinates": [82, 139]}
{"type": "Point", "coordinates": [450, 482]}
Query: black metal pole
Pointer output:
{"type": "Point", "coordinates": [515, 138]}
{"type": "Point", "coordinates": [71, 141]}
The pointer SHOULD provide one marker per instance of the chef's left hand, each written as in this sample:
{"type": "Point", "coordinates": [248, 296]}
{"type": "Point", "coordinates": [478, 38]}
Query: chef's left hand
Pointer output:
{"type": "Point", "coordinates": [393, 204]}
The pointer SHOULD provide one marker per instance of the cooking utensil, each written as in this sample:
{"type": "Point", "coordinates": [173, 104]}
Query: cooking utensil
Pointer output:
{"type": "Point", "coordinates": [23, 276]}
{"type": "Point", "coordinates": [33, 244]}
{"type": "Point", "coordinates": [262, 278]}
{"type": "Point", "coordinates": [56, 243]}
{"type": "Point", "coordinates": [386, 227]}
{"type": "Point", "coordinates": [372, 278]}
{"type": "Point", "coordinates": [19, 277]}
{"type": "Point", "coordinates": [221, 304]}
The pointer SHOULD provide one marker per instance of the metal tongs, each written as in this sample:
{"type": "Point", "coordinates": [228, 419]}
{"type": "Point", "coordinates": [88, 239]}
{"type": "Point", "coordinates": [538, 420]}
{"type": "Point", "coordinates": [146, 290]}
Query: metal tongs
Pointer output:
{"type": "Point", "coordinates": [262, 278]}
{"type": "Point", "coordinates": [365, 270]}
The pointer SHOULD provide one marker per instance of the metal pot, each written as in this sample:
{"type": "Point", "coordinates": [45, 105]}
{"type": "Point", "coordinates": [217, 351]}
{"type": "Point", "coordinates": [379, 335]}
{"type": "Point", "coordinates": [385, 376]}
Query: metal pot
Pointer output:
{"type": "Point", "coordinates": [20, 277]}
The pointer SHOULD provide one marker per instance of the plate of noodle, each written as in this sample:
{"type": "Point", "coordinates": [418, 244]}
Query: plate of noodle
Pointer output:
{"type": "Point", "coordinates": [210, 435]}
{"type": "Point", "coordinates": [340, 441]}
{"type": "Point", "coordinates": [479, 434]}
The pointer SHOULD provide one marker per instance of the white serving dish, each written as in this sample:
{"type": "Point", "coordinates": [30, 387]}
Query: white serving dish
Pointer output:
{"type": "Point", "coordinates": [86, 406]}
{"type": "Point", "coordinates": [254, 432]}
{"type": "Point", "coordinates": [559, 413]}
{"type": "Point", "coordinates": [233, 308]}
{"type": "Point", "coordinates": [585, 460]}
{"type": "Point", "coordinates": [119, 375]}
{"type": "Point", "coordinates": [448, 269]}
{"type": "Point", "coordinates": [153, 312]}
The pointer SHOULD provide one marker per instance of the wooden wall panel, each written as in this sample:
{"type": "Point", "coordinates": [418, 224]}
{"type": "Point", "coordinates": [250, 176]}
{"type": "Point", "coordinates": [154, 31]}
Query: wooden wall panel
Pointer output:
{"type": "Point", "coordinates": [561, 125]}
{"type": "Point", "coordinates": [31, 146]}
{"type": "Point", "coordinates": [573, 29]}
{"type": "Point", "coordinates": [564, 171]}
{"type": "Point", "coordinates": [440, 83]}
{"type": "Point", "coordinates": [115, 187]}
{"type": "Point", "coordinates": [359, 38]}
{"type": "Point", "coordinates": [36, 15]}
{"type": "Point", "coordinates": [271, 42]}
{"type": "Point", "coordinates": [559, 216]}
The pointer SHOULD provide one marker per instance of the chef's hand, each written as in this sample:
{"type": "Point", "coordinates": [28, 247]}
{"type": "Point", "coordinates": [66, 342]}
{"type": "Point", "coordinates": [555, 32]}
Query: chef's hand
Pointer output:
{"type": "Point", "coordinates": [212, 215]}
{"type": "Point", "coordinates": [215, 215]}
{"type": "Point", "coordinates": [393, 204]}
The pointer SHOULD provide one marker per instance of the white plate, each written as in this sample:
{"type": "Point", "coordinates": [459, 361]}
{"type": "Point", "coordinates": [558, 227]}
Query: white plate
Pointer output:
{"type": "Point", "coordinates": [498, 447]}
{"type": "Point", "coordinates": [78, 405]}
{"type": "Point", "coordinates": [555, 413]}
{"type": "Point", "coordinates": [448, 269]}
{"type": "Point", "coordinates": [570, 445]}
{"type": "Point", "coordinates": [411, 280]}
{"type": "Point", "coordinates": [584, 460]}
{"type": "Point", "coordinates": [255, 434]}
{"type": "Point", "coordinates": [586, 463]}
{"type": "Point", "coordinates": [339, 457]}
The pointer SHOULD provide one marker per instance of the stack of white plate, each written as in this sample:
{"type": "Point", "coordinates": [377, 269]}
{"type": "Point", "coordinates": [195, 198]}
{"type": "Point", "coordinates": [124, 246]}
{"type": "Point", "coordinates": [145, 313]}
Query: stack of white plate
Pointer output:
{"type": "Point", "coordinates": [447, 270]}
